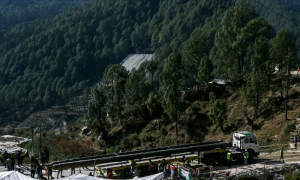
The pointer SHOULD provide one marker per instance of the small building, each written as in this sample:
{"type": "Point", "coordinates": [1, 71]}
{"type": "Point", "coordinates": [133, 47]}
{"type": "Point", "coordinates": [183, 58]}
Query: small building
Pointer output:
{"type": "Point", "coordinates": [220, 82]}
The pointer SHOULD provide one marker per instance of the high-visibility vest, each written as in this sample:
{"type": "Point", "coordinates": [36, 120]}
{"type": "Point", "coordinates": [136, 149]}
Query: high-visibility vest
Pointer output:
{"type": "Point", "coordinates": [246, 155]}
{"type": "Point", "coordinates": [229, 156]}
{"type": "Point", "coordinates": [281, 152]}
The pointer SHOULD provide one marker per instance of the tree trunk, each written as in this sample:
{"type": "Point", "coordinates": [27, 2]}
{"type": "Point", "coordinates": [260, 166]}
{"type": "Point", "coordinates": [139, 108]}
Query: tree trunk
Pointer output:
{"type": "Point", "coordinates": [257, 103]}
{"type": "Point", "coordinates": [152, 80]}
{"type": "Point", "coordinates": [176, 134]}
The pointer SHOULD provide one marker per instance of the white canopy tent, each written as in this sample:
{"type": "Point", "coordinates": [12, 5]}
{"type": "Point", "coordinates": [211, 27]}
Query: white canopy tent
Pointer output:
{"type": "Point", "coordinates": [158, 176]}
{"type": "Point", "coordinates": [13, 175]}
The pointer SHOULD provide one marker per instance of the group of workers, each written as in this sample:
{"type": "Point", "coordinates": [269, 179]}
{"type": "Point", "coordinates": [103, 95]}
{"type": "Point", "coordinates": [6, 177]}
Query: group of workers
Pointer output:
{"type": "Point", "coordinates": [35, 166]}
{"type": "Point", "coordinates": [10, 160]}
{"type": "Point", "coordinates": [246, 157]}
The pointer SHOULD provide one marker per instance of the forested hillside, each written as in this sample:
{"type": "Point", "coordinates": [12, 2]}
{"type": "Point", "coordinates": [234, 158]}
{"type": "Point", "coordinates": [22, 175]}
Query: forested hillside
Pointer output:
{"type": "Point", "coordinates": [45, 62]}
{"type": "Point", "coordinates": [13, 12]}
{"type": "Point", "coordinates": [171, 101]}
{"type": "Point", "coordinates": [282, 14]}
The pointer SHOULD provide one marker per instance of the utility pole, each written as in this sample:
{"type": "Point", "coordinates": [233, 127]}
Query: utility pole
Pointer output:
{"type": "Point", "coordinates": [40, 148]}
{"type": "Point", "coordinates": [287, 90]}
{"type": "Point", "coordinates": [32, 131]}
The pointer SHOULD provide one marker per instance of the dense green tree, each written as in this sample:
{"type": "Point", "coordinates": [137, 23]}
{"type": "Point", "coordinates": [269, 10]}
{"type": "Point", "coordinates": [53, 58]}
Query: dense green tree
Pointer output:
{"type": "Point", "coordinates": [230, 41]}
{"type": "Point", "coordinates": [152, 67]}
{"type": "Point", "coordinates": [204, 72]}
{"type": "Point", "coordinates": [172, 86]}
{"type": "Point", "coordinates": [218, 112]}
{"type": "Point", "coordinates": [153, 103]}
{"type": "Point", "coordinates": [135, 88]}
{"type": "Point", "coordinates": [193, 51]}
{"type": "Point", "coordinates": [97, 111]}
{"type": "Point", "coordinates": [114, 80]}
{"type": "Point", "coordinates": [283, 54]}
{"type": "Point", "coordinates": [259, 80]}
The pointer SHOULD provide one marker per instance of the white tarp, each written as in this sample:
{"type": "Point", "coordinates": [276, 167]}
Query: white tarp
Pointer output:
{"type": "Point", "coordinates": [158, 176]}
{"type": "Point", "coordinates": [13, 175]}
{"type": "Point", "coordinates": [135, 60]}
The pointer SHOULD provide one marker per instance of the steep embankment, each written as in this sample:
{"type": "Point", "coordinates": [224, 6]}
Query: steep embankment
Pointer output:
{"type": "Point", "coordinates": [271, 120]}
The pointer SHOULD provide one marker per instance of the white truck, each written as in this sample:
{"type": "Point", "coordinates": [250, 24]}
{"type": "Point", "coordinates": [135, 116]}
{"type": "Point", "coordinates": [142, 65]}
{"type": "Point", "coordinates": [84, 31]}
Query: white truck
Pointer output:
{"type": "Point", "coordinates": [241, 140]}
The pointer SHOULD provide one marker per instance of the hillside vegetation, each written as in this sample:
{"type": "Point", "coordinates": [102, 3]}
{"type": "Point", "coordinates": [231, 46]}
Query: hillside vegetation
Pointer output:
{"type": "Point", "coordinates": [13, 12]}
{"type": "Point", "coordinates": [73, 50]}
{"type": "Point", "coordinates": [48, 62]}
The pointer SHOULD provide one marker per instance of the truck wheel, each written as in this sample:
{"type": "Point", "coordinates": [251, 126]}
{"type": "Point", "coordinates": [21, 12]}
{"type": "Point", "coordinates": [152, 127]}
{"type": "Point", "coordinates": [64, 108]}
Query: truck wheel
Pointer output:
{"type": "Point", "coordinates": [223, 160]}
{"type": "Point", "coordinates": [211, 160]}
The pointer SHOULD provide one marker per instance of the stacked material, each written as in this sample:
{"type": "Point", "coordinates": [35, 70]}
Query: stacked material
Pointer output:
{"type": "Point", "coordinates": [158, 176]}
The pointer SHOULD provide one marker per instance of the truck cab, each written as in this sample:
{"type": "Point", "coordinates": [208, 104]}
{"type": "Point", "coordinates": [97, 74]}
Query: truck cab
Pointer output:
{"type": "Point", "coordinates": [246, 140]}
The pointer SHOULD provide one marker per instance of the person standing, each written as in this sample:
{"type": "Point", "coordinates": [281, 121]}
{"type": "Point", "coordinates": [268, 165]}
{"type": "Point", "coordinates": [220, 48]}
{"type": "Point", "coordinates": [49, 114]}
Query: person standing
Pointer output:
{"type": "Point", "coordinates": [19, 157]}
{"type": "Point", "coordinates": [159, 167]}
{"type": "Point", "coordinates": [5, 156]}
{"type": "Point", "coordinates": [131, 170]}
{"type": "Point", "coordinates": [110, 175]}
{"type": "Point", "coordinates": [281, 155]}
{"type": "Point", "coordinates": [164, 164]}
{"type": "Point", "coordinates": [151, 169]}
{"type": "Point", "coordinates": [43, 158]}
{"type": "Point", "coordinates": [39, 171]}
{"type": "Point", "coordinates": [136, 172]}
{"type": "Point", "coordinates": [8, 163]}
{"type": "Point", "coordinates": [183, 159]}
{"type": "Point", "coordinates": [246, 157]}
{"type": "Point", "coordinates": [32, 168]}
{"type": "Point", "coordinates": [229, 158]}
{"type": "Point", "coordinates": [13, 162]}
{"type": "Point", "coordinates": [47, 154]}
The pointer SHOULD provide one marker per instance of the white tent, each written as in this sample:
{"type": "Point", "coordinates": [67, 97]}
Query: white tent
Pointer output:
{"type": "Point", "coordinates": [13, 175]}
{"type": "Point", "coordinates": [158, 176]}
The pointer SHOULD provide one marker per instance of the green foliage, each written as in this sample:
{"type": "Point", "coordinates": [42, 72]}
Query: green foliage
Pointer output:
{"type": "Point", "coordinates": [152, 67]}
{"type": "Point", "coordinates": [153, 103]}
{"type": "Point", "coordinates": [230, 39]}
{"type": "Point", "coordinates": [135, 88]}
{"type": "Point", "coordinates": [13, 12]}
{"type": "Point", "coordinates": [194, 50]}
{"type": "Point", "coordinates": [283, 54]}
{"type": "Point", "coordinates": [204, 71]}
{"type": "Point", "coordinates": [258, 82]}
{"type": "Point", "coordinates": [172, 86]}
{"type": "Point", "coordinates": [61, 146]}
{"type": "Point", "coordinates": [217, 113]}
{"type": "Point", "coordinates": [96, 111]}
{"type": "Point", "coordinates": [114, 79]}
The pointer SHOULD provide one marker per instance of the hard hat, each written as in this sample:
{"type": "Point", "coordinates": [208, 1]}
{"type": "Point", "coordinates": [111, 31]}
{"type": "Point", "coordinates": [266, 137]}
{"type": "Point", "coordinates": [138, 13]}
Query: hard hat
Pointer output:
{"type": "Point", "coordinates": [246, 149]}
{"type": "Point", "coordinates": [229, 150]}
{"type": "Point", "coordinates": [281, 147]}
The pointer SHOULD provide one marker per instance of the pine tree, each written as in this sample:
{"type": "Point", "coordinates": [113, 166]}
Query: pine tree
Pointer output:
{"type": "Point", "coordinates": [229, 40]}
{"type": "Point", "coordinates": [258, 82]}
{"type": "Point", "coordinates": [283, 54]}
{"type": "Point", "coordinates": [172, 86]}
{"type": "Point", "coordinates": [218, 112]}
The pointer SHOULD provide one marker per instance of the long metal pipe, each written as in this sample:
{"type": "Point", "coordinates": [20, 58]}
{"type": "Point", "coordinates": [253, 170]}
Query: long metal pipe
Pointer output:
{"type": "Point", "coordinates": [134, 152]}
{"type": "Point", "coordinates": [139, 155]}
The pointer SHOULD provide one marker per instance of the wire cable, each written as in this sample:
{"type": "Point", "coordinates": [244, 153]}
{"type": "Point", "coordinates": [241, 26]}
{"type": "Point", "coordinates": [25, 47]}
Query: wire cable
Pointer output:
{"type": "Point", "coordinates": [273, 11]}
